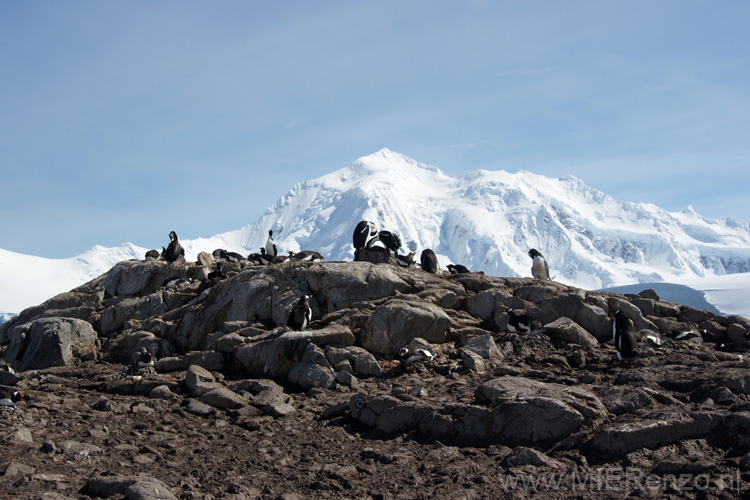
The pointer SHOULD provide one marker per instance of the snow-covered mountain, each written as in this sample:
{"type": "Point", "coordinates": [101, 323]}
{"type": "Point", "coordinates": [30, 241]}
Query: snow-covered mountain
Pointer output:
{"type": "Point", "coordinates": [485, 220]}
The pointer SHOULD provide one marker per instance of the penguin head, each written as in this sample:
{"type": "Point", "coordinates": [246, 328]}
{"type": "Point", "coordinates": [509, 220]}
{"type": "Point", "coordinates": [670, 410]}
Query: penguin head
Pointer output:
{"type": "Point", "coordinates": [534, 253]}
{"type": "Point", "coordinates": [172, 236]}
{"type": "Point", "coordinates": [451, 268]}
{"type": "Point", "coordinates": [403, 353]}
{"type": "Point", "coordinates": [270, 233]}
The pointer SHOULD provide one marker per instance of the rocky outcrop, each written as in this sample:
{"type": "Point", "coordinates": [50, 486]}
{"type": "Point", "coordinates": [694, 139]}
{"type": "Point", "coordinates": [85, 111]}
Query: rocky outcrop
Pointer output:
{"type": "Point", "coordinates": [390, 351]}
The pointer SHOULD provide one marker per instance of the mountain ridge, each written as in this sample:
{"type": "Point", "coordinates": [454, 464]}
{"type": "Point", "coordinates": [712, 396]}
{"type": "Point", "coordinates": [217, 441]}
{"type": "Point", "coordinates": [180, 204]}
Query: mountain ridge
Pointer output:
{"type": "Point", "coordinates": [484, 219]}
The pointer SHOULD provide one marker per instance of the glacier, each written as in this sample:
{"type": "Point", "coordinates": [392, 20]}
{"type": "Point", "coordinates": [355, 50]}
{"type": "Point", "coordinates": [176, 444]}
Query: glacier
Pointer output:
{"type": "Point", "coordinates": [485, 220]}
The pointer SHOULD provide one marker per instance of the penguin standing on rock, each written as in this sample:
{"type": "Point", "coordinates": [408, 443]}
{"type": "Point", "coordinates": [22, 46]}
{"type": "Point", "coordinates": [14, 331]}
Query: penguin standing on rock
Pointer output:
{"type": "Point", "coordinates": [539, 267]}
{"type": "Point", "coordinates": [523, 323]}
{"type": "Point", "coordinates": [429, 261]}
{"type": "Point", "coordinates": [271, 245]}
{"type": "Point", "coordinates": [174, 250]}
{"type": "Point", "coordinates": [363, 233]}
{"type": "Point", "coordinates": [301, 315]}
{"type": "Point", "coordinates": [624, 335]}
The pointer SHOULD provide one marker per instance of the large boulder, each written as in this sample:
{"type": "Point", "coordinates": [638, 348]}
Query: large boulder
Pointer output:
{"type": "Point", "coordinates": [395, 323]}
{"type": "Point", "coordinates": [527, 411]}
{"type": "Point", "coordinates": [278, 356]}
{"type": "Point", "coordinates": [49, 342]}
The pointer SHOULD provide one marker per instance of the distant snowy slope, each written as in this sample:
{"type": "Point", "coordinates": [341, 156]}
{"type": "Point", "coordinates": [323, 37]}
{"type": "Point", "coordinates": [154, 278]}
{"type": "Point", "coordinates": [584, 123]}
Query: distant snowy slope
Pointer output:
{"type": "Point", "coordinates": [485, 220]}
{"type": "Point", "coordinates": [26, 280]}
{"type": "Point", "coordinates": [488, 221]}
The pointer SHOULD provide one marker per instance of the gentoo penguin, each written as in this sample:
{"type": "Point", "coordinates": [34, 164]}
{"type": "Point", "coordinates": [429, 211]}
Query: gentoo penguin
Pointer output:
{"type": "Point", "coordinates": [306, 256]}
{"type": "Point", "coordinates": [623, 333]}
{"type": "Point", "coordinates": [539, 267]}
{"type": "Point", "coordinates": [271, 245]}
{"type": "Point", "coordinates": [648, 337]}
{"type": "Point", "coordinates": [145, 359]}
{"type": "Point", "coordinates": [523, 323]}
{"type": "Point", "coordinates": [458, 269]}
{"type": "Point", "coordinates": [363, 233]}
{"type": "Point", "coordinates": [218, 273]}
{"type": "Point", "coordinates": [406, 260]}
{"type": "Point", "coordinates": [175, 281]}
{"type": "Point", "coordinates": [688, 334]}
{"type": "Point", "coordinates": [301, 314]}
{"type": "Point", "coordinates": [230, 256]}
{"type": "Point", "coordinates": [9, 396]}
{"type": "Point", "coordinates": [174, 250]}
{"type": "Point", "coordinates": [152, 255]}
{"type": "Point", "coordinates": [429, 261]}
{"type": "Point", "coordinates": [390, 240]}
{"type": "Point", "coordinates": [412, 356]}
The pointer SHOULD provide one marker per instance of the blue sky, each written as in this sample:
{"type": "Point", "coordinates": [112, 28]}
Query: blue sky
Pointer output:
{"type": "Point", "coordinates": [123, 120]}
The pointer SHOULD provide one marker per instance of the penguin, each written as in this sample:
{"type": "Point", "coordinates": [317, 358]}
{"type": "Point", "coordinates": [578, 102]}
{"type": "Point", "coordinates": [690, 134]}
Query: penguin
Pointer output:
{"type": "Point", "coordinates": [623, 333]}
{"type": "Point", "coordinates": [539, 267]}
{"type": "Point", "coordinates": [9, 397]}
{"type": "Point", "coordinates": [418, 354]}
{"type": "Point", "coordinates": [689, 335]}
{"type": "Point", "coordinates": [458, 269]}
{"type": "Point", "coordinates": [174, 250]}
{"type": "Point", "coordinates": [230, 256]}
{"type": "Point", "coordinates": [271, 245]}
{"type": "Point", "coordinates": [301, 314]}
{"type": "Point", "coordinates": [152, 255]}
{"type": "Point", "coordinates": [429, 261]}
{"type": "Point", "coordinates": [218, 273]}
{"type": "Point", "coordinates": [406, 260]}
{"type": "Point", "coordinates": [175, 281]}
{"type": "Point", "coordinates": [648, 337]}
{"type": "Point", "coordinates": [145, 359]}
{"type": "Point", "coordinates": [390, 240]}
{"type": "Point", "coordinates": [363, 233]}
{"type": "Point", "coordinates": [737, 346]}
{"type": "Point", "coordinates": [523, 323]}
{"type": "Point", "coordinates": [307, 256]}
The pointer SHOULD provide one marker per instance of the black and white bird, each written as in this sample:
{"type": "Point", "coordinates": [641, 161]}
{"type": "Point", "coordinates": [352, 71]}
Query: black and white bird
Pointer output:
{"type": "Point", "coordinates": [648, 337]}
{"type": "Point", "coordinates": [406, 260]}
{"type": "Point", "coordinates": [218, 273]}
{"type": "Point", "coordinates": [271, 245]}
{"type": "Point", "coordinates": [9, 396]}
{"type": "Point", "coordinates": [174, 250]}
{"type": "Point", "coordinates": [458, 269]}
{"type": "Point", "coordinates": [390, 240]}
{"type": "Point", "coordinates": [175, 282]}
{"type": "Point", "coordinates": [301, 314]}
{"type": "Point", "coordinates": [539, 267]}
{"type": "Point", "coordinates": [429, 261]}
{"type": "Point", "coordinates": [689, 335]}
{"type": "Point", "coordinates": [144, 360]}
{"type": "Point", "coordinates": [230, 256]}
{"type": "Point", "coordinates": [415, 354]}
{"type": "Point", "coordinates": [363, 233]}
{"type": "Point", "coordinates": [153, 254]}
{"type": "Point", "coordinates": [306, 256]}
{"type": "Point", "coordinates": [624, 335]}
{"type": "Point", "coordinates": [523, 323]}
